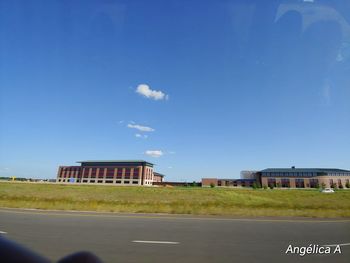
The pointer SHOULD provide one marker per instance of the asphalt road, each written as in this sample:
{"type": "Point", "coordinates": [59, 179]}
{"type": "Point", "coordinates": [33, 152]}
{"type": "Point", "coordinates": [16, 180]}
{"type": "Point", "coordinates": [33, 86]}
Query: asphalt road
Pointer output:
{"type": "Point", "coordinates": [130, 238]}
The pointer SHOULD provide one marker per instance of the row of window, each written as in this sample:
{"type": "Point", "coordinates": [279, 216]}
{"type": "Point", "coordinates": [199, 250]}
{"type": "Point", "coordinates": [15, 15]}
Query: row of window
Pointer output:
{"type": "Point", "coordinates": [100, 181]}
{"type": "Point", "coordinates": [301, 174]}
{"type": "Point", "coordinates": [300, 183]}
{"type": "Point", "coordinates": [234, 183]}
{"type": "Point", "coordinates": [289, 174]}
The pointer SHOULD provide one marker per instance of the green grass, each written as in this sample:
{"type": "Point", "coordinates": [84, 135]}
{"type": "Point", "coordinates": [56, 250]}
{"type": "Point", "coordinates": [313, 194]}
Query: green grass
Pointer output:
{"type": "Point", "coordinates": [178, 200]}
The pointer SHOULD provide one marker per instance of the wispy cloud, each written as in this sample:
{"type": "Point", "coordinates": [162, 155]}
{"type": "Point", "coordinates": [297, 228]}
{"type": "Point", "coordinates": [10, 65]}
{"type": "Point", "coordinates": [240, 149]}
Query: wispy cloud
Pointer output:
{"type": "Point", "coordinates": [154, 153]}
{"type": "Point", "coordinates": [144, 136]}
{"type": "Point", "coordinates": [326, 93]}
{"type": "Point", "coordinates": [146, 91]}
{"type": "Point", "coordinates": [140, 127]}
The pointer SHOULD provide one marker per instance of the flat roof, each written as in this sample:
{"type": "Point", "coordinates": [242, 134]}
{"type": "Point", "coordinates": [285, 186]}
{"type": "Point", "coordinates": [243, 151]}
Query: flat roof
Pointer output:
{"type": "Point", "coordinates": [116, 161]}
{"type": "Point", "coordinates": [158, 174]}
{"type": "Point", "coordinates": [314, 170]}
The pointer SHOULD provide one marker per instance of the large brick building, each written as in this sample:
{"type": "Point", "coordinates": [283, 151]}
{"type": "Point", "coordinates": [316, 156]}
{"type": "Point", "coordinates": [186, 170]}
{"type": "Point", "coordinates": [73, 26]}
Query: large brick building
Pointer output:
{"type": "Point", "coordinates": [131, 172]}
{"type": "Point", "coordinates": [287, 178]}
{"type": "Point", "coordinates": [304, 177]}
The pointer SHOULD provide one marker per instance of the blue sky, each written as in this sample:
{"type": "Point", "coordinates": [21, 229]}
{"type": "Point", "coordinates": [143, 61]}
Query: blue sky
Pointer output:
{"type": "Point", "coordinates": [200, 88]}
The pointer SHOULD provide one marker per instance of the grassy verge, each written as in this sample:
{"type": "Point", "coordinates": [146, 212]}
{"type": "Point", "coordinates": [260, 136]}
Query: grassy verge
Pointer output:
{"type": "Point", "coordinates": [199, 201]}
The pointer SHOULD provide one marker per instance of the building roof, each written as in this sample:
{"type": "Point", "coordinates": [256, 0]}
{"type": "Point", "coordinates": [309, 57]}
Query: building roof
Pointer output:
{"type": "Point", "coordinates": [158, 174]}
{"type": "Point", "coordinates": [116, 161]}
{"type": "Point", "coordinates": [305, 170]}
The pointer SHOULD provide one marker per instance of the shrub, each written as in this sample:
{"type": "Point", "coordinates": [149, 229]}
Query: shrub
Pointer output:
{"type": "Point", "coordinates": [341, 186]}
{"type": "Point", "coordinates": [347, 185]}
{"type": "Point", "coordinates": [278, 185]}
{"type": "Point", "coordinates": [271, 186]}
{"type": "Point", "coordinates": [212, 185]}
{"type": "Point", "coordinates": [323, 185]}
{"type": "Point", "coordinates": [265, 186]}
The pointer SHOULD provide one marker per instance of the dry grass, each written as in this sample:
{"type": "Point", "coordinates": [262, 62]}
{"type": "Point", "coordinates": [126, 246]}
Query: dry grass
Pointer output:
{"type": "Point", "coordinates": [200, 201]}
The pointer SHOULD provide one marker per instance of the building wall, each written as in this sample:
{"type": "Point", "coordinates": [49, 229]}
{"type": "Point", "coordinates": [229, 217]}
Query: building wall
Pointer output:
{"type": "Point", "coordinates": [312, 182]}
{"type": "Point", "coordinates": [157, 178]}
{"type": "Point", "coordinates": [206, 182]}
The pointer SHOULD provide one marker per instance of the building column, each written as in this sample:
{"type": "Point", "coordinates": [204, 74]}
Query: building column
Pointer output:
{"type": "Point", "coordinates": [292, 182]}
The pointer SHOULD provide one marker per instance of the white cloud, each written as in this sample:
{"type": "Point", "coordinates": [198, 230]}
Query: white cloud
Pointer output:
{"type": "Point", "coordinates": [309, 1]}
{"type": "Point", "coordinates": [140, 127]}
{"type": "Point", "coordinates": [154, 153]}
{"type": "Point", "coordinates": [144, 90]}
{"type": "Point", "coordinates": [141, 136]}
{"type": "Point", "coordinates": [326, 93]}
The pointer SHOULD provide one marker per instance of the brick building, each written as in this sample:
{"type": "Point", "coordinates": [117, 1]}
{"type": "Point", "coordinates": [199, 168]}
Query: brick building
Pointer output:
{"type": "Point", "coordinates": [128, 172]}
{"type": "Point", "coordinates": [304, 177]}
{"type": "Point", "coordinates": [287, 178]}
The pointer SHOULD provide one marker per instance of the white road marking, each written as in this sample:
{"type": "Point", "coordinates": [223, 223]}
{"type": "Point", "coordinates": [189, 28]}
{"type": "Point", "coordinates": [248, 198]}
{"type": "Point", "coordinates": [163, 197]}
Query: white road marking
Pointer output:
{"type": "Point", "coordinates": [156, 242]}
{"type": "Point", "coordinates": [2, 232]}
{"type": "Point", "coordinates": [334, 245]}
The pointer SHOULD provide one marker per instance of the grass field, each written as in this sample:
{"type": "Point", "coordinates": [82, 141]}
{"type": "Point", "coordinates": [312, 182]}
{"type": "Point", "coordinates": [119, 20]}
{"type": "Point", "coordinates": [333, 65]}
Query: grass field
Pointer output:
{"type": "Point", "coordinates": [185, 200]}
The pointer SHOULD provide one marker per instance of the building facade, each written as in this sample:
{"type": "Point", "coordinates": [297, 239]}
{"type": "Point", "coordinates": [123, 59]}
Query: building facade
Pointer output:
{"type": "Point", "coordinates": [305, 177]}
{"type": "Point", "coordinates": [133, 172]}
{"type": "Point", "coordinates": [287, 178]}
{"type": "Point", "coordinates": [207, 182]}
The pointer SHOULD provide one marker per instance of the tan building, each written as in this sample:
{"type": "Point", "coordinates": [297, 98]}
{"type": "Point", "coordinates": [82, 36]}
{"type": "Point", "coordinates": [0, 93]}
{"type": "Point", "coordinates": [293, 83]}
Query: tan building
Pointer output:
{"type": "Point", "coordinates": [287, 178]}
{"type": "Point", "coordinates": [133, 172]}
{"type": "Point", "coordinates": [305, 177]}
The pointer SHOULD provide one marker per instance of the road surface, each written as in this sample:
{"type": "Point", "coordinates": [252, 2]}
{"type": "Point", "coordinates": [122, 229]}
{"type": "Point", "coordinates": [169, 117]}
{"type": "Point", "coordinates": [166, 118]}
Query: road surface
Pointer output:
{"type": "Point", "coordinates": [165, 238]}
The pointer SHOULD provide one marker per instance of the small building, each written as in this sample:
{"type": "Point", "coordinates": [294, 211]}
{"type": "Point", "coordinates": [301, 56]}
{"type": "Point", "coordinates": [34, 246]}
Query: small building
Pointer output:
{"type": "Point", "coordinates": [157, 177]}
{"type": "Point", "coordinates": [118, 172]}
{"type": "Point", "coordinates": [207, 182]}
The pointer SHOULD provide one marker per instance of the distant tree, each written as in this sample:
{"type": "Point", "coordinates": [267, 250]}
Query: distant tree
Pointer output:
{"type": "Point", "coordinates": [323, 185]}
{"type": "Point", "coordinates": [347, 185]}
{"type": "Point", "coordinates": [254, 185]}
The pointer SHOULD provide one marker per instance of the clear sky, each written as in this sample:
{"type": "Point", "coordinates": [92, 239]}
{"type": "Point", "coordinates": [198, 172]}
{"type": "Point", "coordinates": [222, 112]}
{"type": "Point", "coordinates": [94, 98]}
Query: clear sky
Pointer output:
{"type": "Point", "coordinates": [200, 88]}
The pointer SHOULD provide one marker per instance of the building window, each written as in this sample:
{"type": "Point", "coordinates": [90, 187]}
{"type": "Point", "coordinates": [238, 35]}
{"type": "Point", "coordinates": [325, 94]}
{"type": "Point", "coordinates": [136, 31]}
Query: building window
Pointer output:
{"type": "Point", "coordinates": [219, 183]}
{"type": "Point", "coordinates": [135, 182]}
{"type": "Point", "coordinates": [340, 184]}
{"type": "Point", "coordinates": [126, 182]}
{"type": "Point", "coordinates": [101, 173]}
{"type": "Point", "coordinates": [100, 181]}
{"type": "Point", "coordinates": [92, 181]}
{"type": "Point", "coordinates": [109, 181]}
{"type": "Point", "coordinates": [331, 183]}
{"type": "Point", "coordinates": [299, 183]}
{"type": "Point", "coordinates": [285, 182]}
{"type": "Point", "coordinates": [136, 173]}
{"type": "Point", "coordinates": [93, 172]}
{"type": "Point", "coordinates": [118, 182]}
{"type": "Point", "coordinates": [110, 173]}
{"type": "Point", "coordinates": [119, 173]}
{"type": "Point", "coordinates": [314, 183]}
{"type": "Point", "coordinates": [85, 181]}
{"type": "Point", "coordinates": [271, 182]}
